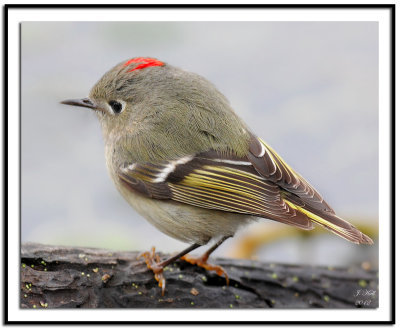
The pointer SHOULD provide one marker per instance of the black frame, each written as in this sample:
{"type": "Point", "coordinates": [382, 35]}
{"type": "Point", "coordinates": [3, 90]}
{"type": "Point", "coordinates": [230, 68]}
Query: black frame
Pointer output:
{"type": "Point", "coordinates": [6, 8]}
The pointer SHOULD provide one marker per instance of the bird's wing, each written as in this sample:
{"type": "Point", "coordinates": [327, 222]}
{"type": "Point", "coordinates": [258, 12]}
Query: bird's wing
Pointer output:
{"type": "Point", "coordinates": [298, 194]}
{"type": "Point", "coordinates": [259, 184]}
{"type": "Point", "coordinates": [271, 166]}
{"type": "Point", "coordinates": [215, 181]}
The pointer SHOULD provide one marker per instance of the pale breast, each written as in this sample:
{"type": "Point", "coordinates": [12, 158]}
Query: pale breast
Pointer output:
{"type": "Point", "coordinates": [181, 221]}
{"type": "Point", "coordinates": [184, 222]}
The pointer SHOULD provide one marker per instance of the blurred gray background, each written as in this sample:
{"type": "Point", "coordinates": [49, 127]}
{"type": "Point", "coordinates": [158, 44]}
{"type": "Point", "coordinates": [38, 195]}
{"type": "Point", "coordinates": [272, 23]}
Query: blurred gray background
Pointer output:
{"type": "Point", "coordinates": [310, 89]}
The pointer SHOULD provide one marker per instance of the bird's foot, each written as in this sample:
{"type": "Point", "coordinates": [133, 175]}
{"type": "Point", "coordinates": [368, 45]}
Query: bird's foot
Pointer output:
{"type": "Point", "coordinates": [202, 262]}
{"type": "Point", "coordinates": [153, 263]}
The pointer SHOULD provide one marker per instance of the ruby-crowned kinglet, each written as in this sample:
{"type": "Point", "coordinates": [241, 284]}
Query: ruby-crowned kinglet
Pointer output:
{"type": "Point", "coordinates": [186, 162]}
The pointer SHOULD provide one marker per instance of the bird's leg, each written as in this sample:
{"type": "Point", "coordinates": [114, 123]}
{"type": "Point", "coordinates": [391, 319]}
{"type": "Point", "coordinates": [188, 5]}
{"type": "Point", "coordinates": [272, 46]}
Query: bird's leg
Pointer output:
{"type": "Point", "coordinates": [153, 263]}
{"type": "Point", "coordinates": [202, 260]}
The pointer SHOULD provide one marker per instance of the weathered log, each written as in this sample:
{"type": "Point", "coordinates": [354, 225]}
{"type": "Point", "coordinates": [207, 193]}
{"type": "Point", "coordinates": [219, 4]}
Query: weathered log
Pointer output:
{"type": "Point", "coordinates": [68, 277]}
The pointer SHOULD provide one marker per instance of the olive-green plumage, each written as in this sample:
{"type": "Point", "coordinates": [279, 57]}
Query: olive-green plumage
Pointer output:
{"type": "Point", "coordinates": [186, 162]}
{"type": "Point", "coordinates": [183, 159]}
{"type": "Point", "coordinates": [169, 113]}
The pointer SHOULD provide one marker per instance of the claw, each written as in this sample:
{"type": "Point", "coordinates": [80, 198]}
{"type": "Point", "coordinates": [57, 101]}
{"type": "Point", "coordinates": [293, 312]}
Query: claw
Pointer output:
{"type": "Point", "coordinates": [201, 262]}
{"type": "Point", "coordinates": [152, 259]}
{"type": "Point", "coordinates": [154, 263]}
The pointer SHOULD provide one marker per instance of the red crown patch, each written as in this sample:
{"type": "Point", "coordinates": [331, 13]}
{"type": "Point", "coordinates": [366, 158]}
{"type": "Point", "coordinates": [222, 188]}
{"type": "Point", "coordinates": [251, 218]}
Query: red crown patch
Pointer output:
{"type": "Point", "coordinates": [145, 62]}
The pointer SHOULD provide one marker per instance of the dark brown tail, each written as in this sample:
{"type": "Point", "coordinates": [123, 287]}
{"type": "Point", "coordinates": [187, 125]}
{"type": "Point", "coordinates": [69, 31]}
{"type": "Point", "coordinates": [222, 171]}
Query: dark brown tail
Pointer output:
{"type": "Point", "coordinates": [334, 224]}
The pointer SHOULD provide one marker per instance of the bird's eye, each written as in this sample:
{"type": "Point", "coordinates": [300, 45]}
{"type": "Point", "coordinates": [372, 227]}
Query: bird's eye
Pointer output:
{"type": "Point", "coordinates": [116, 106]}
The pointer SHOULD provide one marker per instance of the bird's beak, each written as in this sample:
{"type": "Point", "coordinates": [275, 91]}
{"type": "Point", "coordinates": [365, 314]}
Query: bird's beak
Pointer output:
{"type": "Point", "coordinates": [83, 102]}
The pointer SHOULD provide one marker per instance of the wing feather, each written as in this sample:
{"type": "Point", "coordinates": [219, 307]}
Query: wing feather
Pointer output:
{"type": "Point", "coordinates": [259, 184]}
{"type": "Point", "coordinates": [214, 181]}
{"type": "Point", "coordinates": [284, 176]}
{"type": "Point", "coordinates": [298, 194]}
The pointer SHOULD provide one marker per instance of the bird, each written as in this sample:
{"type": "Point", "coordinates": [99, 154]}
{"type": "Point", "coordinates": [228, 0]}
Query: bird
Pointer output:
{"type": "Point", "coordinates": [185, 161]}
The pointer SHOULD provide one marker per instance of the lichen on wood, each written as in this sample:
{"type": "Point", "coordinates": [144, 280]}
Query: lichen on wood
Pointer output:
{"type": "Point", "coordinates": [72, 277]}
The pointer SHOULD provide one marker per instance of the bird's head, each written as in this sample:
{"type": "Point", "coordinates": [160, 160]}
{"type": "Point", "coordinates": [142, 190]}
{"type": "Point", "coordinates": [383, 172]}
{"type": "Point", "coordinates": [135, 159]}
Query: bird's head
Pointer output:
{"type": "Point", "coordinates": [153, 102]}
{"type": "Point", "coordinates": [116, 95]}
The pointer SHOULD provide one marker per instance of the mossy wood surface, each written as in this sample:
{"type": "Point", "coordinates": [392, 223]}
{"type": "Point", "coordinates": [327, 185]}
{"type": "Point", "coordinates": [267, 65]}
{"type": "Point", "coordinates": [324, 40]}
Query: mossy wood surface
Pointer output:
{"type": "Point", "coordinates": [69, 277]}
